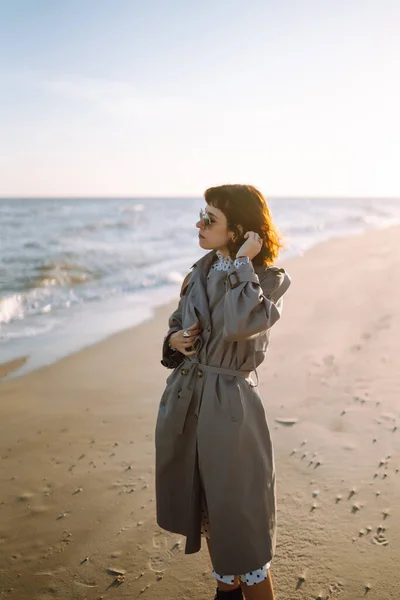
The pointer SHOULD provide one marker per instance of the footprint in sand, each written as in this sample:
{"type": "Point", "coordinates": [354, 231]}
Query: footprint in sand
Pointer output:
{"type": "Point", "coordinates": [25, 496]}
{"type": "Point", "coordinates": [336, 588]}
{"type": "Point", "coordinates": [160, 540]}
{"type": "Point", "coordinates": [329, 360]}
{"type": "Point", "coordinates": [356, 348]}
{"type": "Point", "coordinates": [380, 538]}
{"type": "Point", "coordinates": [158, 562]}
{"type": "Point", "coordinates": [166, 550]}
{"type": "Point", "coordinates": [384, 322]}
{"type": "Point", "coordinates": [38, 509]}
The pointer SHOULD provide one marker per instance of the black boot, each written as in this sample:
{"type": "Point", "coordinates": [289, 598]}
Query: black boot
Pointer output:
{"type": "Point", "coordinates": [234, 594]}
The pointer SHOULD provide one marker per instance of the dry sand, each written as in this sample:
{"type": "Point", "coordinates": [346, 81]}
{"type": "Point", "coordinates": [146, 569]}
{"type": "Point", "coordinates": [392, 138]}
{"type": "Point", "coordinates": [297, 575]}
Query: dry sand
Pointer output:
{"type": "Point", "coordinates": [77, 450]}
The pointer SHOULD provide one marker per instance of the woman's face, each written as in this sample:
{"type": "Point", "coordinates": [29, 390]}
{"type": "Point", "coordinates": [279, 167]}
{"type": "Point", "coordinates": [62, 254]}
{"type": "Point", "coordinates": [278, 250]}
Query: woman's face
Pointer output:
{"type": "Point", "coordinates": [216, 235]}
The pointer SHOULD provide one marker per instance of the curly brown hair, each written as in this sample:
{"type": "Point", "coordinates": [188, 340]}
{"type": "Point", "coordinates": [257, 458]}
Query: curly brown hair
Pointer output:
{"type": "Point", "coordinates": [244, 205]}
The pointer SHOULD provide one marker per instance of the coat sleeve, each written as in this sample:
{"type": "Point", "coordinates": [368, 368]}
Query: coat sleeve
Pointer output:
{"type": "Point", "coordinates": [252, 303]}
{"type": "Point", "coordinates": [171, 358]}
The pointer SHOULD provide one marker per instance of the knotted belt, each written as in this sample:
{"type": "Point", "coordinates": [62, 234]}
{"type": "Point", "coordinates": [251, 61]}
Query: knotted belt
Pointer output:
{"type": "Point", "coordinates": [190, 369]}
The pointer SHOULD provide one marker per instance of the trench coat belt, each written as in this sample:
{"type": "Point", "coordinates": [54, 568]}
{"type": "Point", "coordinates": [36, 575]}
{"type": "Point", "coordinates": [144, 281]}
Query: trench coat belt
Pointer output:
{"type": "Point", "coordinates": [190, 370]}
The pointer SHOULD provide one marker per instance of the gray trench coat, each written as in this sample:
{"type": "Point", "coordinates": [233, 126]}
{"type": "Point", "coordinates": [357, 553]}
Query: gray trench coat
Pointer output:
{"type": "Point", "coordinates": [211, 428]}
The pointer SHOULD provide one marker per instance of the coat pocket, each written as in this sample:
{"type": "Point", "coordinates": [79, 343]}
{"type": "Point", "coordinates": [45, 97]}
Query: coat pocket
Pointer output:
{"type": "Point", "coordinates": [230, 398]}
{"type": "Point", "coordinates": [256, 400]}
{"type": "Point", "coordinates": [173, 387]}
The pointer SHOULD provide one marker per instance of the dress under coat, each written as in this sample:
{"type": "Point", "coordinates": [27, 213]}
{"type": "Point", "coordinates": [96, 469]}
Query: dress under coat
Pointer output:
{"type": "Point", "coordinates": [211, 430]}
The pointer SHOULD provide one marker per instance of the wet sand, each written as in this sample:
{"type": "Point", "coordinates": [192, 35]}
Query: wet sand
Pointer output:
{"type": "Point", "coordinates": [12, 365]}
{"type": "Point", "coordinates": [77, 508]}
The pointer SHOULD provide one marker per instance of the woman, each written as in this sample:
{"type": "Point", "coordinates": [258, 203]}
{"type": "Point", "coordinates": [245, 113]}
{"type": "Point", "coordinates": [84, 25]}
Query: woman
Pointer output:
{"type": "Point", "coordinates": [215, 474]}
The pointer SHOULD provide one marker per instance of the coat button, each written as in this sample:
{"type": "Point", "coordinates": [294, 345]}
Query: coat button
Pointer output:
{"type": "Point", "coordinates": [184, 371]}
{"type": "Point", "coordinates": [200, 373]}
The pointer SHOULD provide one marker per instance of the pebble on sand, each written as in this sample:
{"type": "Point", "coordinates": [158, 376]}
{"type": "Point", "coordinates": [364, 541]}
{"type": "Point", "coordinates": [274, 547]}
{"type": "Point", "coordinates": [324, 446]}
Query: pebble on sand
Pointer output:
{"type": "Point", "coordinates": [352, 492]}
{"type": "Point", "coordinates": [287, 421]}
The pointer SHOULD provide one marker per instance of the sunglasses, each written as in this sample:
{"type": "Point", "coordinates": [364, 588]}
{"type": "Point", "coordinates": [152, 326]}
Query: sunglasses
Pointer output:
{"type": "Point", "coordinates": [206, 218]}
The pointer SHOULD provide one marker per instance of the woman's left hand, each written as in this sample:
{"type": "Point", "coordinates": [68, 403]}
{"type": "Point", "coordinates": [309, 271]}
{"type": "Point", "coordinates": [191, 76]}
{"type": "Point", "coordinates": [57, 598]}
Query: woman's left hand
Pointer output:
{"type": "Point", "coordinates": [251, 246]}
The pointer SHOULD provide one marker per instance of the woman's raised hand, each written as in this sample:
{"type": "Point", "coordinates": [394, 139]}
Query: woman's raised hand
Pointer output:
{"type": "Point", "coordinates": [252, 246]}
{"type": "Point", "coordinates": [183, 344]}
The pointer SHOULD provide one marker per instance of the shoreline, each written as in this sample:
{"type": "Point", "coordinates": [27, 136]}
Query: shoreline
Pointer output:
{"type": "Point", "coordinates": [14, 366]}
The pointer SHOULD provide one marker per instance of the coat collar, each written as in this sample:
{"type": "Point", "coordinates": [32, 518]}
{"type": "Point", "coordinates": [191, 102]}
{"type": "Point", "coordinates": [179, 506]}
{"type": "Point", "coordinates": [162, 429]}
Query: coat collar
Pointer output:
{"type": "Point", "coordinates": [204, 263]}
{"type": "Point", "coordinates": [199, 273]}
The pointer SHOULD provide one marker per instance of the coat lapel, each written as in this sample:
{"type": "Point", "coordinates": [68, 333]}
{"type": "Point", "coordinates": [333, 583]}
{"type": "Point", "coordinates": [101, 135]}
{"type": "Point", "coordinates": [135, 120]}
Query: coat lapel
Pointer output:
{"type": "Point", "coordinates": [199, 297]}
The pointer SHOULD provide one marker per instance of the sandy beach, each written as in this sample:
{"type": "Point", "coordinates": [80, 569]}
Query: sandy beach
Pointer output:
{"type": "Point", "coordinates": [77, 508]}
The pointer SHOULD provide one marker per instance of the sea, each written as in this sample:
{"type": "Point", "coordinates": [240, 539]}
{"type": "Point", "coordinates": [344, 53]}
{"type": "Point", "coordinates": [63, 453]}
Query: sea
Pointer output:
{"type": "Point", "coordinates": [74, 271]}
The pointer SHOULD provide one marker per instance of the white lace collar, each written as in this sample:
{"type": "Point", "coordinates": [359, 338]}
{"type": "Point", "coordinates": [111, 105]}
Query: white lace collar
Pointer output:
{"type": "Point", "coordinates": [224, 263]}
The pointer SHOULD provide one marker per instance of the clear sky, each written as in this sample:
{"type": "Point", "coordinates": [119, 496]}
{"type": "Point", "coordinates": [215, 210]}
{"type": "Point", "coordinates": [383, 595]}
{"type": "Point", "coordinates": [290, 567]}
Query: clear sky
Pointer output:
{"type": "Point", "coordinates": [120, 97]}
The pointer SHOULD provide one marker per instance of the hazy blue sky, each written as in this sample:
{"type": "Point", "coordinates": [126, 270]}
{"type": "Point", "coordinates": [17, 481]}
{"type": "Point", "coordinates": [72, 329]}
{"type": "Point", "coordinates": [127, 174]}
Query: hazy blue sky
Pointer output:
{"type": "Point", "coordinates": [118, 97]}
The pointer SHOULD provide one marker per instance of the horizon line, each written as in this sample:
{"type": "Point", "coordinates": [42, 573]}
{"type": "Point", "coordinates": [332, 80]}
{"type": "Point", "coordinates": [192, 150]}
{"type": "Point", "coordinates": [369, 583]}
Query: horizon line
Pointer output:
{"type": "Point", "coordinates": [183, 196]}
